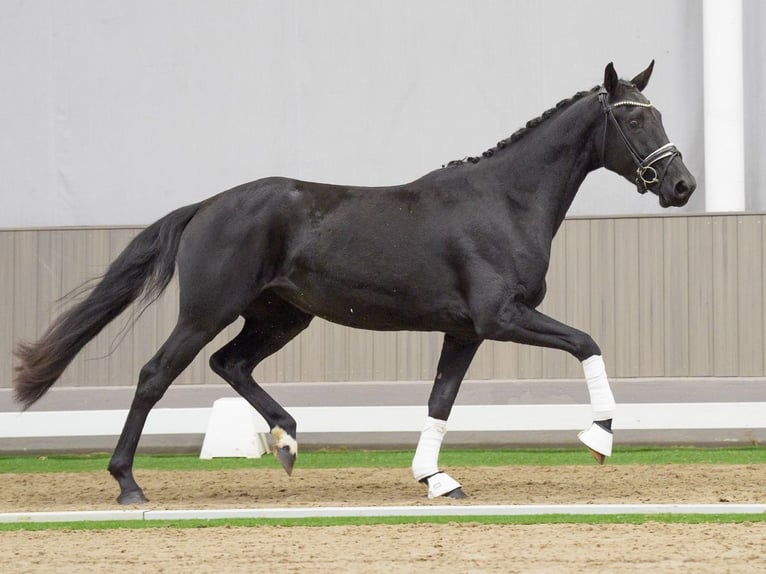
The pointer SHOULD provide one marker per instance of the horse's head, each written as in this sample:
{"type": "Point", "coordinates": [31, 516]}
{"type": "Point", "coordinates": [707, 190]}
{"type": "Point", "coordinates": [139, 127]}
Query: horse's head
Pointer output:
{"type": "Point", "coordinates": [634, 143]}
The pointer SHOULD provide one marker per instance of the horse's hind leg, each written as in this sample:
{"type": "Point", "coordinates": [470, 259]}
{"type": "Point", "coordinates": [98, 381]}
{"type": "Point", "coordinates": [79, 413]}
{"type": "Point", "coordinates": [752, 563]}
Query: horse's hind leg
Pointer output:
{"type": "Point", "coordinates": [455, 358]}
{"type": "Point", "coordinates": [176, 353]}
{"type": "Point", "coordinates": [269, 325]}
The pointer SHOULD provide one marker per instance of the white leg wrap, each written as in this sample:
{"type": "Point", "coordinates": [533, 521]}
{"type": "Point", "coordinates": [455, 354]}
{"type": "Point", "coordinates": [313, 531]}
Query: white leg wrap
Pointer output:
{"type": "Point", "coordinates": [601, 398]}
{"type": "Point", "coordinates": [426, 460]}
{"type": "Point", "coordinates": [597, 437]}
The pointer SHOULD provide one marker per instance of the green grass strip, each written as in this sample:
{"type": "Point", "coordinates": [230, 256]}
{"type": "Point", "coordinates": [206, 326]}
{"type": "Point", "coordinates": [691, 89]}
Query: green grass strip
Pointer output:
{"type": "Point", "coordinates": [395, 520]}
{"type": "Point", "coordinates": [396, 459]}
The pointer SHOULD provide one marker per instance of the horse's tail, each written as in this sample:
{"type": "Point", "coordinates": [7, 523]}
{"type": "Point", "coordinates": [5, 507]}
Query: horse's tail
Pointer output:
{"type": "Point", "coordinates": [144, 268]}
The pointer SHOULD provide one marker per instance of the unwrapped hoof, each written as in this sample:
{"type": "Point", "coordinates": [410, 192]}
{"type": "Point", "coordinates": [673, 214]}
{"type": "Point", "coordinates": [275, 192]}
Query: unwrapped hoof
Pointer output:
{"type": "Point", "coordinates": [600, 458]}
{"type": "Point", "coordinates": [285, 458]}
{"type": "Point", "coordinates": [132, 497]}
{"type": "Point", "coordinates": [457, 494]}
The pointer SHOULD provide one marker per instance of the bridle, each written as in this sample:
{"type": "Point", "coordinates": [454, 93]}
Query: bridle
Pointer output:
{"type": "Point", "coordinates": [646, 173]}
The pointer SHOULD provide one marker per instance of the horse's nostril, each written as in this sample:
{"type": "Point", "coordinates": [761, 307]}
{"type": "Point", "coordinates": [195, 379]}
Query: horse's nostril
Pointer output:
{"type": "Point", "coordinates": [683, 188]}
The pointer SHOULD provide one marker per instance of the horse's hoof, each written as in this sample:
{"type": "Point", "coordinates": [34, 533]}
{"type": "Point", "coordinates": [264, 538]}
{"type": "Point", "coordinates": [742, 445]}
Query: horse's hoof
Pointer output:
{"type": "Point", "coordinates": [457, 494]}
{"type": "Point", "coordinates": [598, 456]}
{"type": "Point", "coordinates": [442, 484]}
{"type": "Point", "coordinates": [598, 438]}
{"type": "Point", "coordinates": [285, 458]}
{"type": "Point", "coordinates": [132, 497]}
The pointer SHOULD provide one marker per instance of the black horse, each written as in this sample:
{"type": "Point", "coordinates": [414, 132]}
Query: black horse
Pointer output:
{"type": "Point", "coordinates": [463, 250]}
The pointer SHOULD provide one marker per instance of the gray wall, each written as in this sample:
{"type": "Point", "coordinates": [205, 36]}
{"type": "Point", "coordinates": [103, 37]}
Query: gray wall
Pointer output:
{"type": "Point", "coordinates": [663, 296]}
{"type": "Point", "coordinates": [116, 112]}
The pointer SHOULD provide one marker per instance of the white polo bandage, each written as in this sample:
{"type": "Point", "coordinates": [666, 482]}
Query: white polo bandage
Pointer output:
{"type": "Point", "coordinates": [601, 398]}
{"type": "Point", "coordinates": [426, 460]}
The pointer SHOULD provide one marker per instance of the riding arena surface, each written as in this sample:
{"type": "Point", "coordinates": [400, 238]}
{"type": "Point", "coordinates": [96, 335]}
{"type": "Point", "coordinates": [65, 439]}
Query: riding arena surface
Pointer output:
{"type": "Point", "coordinates": [421, 548]}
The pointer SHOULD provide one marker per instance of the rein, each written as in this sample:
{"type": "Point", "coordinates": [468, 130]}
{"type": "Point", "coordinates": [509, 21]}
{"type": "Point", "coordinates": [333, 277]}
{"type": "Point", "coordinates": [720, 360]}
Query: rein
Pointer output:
{"type": "Point", "coordinates": [646, 173]}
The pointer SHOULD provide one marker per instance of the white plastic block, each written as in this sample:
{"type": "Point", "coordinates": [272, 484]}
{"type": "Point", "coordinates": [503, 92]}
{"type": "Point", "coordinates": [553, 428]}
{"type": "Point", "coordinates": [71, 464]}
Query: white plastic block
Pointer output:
{"type": "Point", "coordinates": [232, 432]}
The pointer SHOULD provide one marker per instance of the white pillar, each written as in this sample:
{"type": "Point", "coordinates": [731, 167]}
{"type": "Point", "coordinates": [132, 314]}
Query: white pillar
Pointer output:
{"type": "Point", "coordinates": [724, 105]}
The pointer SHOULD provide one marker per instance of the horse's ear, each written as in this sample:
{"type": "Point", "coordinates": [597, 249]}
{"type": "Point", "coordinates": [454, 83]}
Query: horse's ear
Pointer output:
{"type": "Point", "coordinates": [610, 78]}
{"type": "Point", "coordinates": [642, 79]}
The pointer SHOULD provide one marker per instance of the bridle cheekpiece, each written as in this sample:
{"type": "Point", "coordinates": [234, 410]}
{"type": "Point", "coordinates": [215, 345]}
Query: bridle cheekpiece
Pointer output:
{"type": "Point", "coordinates": [646, 173]}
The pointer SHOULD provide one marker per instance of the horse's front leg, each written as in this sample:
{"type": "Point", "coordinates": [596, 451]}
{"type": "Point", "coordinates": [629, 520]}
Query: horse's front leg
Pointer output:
{"type": "Point", "coordinates": [598, 437]}
{"type": "Point", "coordinates": [455, 358]}
{"type": "Point", "coordinates": [520, 323]}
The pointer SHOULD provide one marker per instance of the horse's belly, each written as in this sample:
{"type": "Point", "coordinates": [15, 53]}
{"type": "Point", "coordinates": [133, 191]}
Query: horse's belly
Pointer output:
{"type": "Point", "coordinates": [376, 307]}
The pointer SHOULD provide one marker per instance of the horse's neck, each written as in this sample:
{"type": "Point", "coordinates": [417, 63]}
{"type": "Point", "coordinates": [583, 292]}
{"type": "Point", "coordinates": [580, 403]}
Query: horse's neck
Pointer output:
{"type": "Point", "coordinates": [544, 170]}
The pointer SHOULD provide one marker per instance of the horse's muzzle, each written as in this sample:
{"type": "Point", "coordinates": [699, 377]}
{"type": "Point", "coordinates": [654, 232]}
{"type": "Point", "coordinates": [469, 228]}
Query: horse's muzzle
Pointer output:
{"type": "Point", "coordinates": [680, 194]}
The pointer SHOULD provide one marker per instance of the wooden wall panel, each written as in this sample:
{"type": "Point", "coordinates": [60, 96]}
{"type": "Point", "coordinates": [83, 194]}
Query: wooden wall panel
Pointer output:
{"type": "Point", "coordinates": [384, 356]}
{"type": "Point", "coordinates": [311, 355]}
{"type": "Point", "coordinates": [409, 351]}
{"type": "Point", "coordinates": [336, 353]}
{"type": "Point", "coordinates": [725, 295]}
{"type": "Point", "coordinates": [663, 296]}
{"type": "Point", "coordinates": [48, 276]}
{"type": "Point", "coordinates": [763, 291]}
{"type": "Point", "coordinates": [749, 319]}
{"type": "Point", "coordinates": [701, 328]}
{"type": "Point", "coordinates": [603, 325]}
{"type": "Point", "coordinates": [25, 281]}
{"type": "Point", "coordinates": [505, 359]}
{"type": "Point", "coordinates": [675, 285]}
{"type": "Point", "coordinates": [625, 361]}
{"type": "Point", "coordinates": [483, 364]}
{"type": "Point", "coordinates": [360, 356]}
{"type": "Point", "coordinates": [8, 305]}
{"type": "Point", "coordinates": [651, 272]}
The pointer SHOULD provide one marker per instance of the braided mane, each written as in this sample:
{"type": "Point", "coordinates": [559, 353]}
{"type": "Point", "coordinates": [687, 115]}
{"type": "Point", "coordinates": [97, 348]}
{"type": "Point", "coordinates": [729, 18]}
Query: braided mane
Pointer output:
{"type": "Point", "coordinates": [520, 133]}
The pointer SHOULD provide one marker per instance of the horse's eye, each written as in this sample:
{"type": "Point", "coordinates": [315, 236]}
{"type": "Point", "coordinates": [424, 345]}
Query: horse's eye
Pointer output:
{"type": "Point", "coordinates": [633, 123]}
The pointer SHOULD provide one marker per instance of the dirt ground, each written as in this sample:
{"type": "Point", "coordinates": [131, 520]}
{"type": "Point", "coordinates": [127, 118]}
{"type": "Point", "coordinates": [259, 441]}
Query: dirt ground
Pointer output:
{"type": "Point", "coordinates": [407, 548]}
